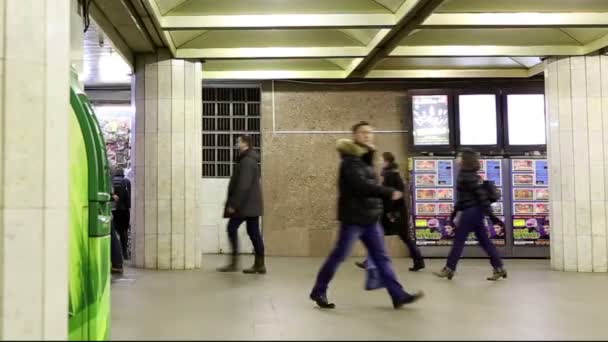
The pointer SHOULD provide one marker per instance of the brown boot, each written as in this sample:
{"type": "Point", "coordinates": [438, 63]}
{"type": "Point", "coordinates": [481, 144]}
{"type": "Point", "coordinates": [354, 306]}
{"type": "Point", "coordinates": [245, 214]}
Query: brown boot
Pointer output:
{"type": "Point", "coordinates": [497, 274]}
{"type": "Point", "coordinates": [258, 266]}
{"type": "Point", "coordinates": [445, 273]}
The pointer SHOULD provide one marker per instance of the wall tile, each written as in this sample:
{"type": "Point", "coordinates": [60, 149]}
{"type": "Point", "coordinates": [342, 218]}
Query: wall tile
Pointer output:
{"type": "Point", "coordinates": [177, 81]}
{"type": "Point", "coordinates": [151, 218]}
{"type": "Point", "coordinates": [151, 81]}
{"type": "Point", "coordinates": [585, 254]}
{"type": "Point", "coordinates": [596, 174]}
{"type": "Point", "coordinates": [164, 251]}
{"type": "Point", "coordinates": [151, 116]}
{"type": "Point", "coordinates": [164, 182]}
{"type": "Point", "coordinates": [55, 259]}
{"type": "Point", "coordinates": [164, 150]}
{"type": "Point", "coordinates": [178, 216]}
{"type": "Point", "coordinates": [164, 82]}
{"type": "Point", "coordinates": [568, 218]}
{"type": "Point", "coordinates": [178, 250]}
{"type": "Point", "coordinates": [22, 258]}
{"type": "Point", "coordinates": [178, 187]}
{"type": "Point", "coordinates": [557, 231]}
{"type": "Point", "coordinates": [583, 218]}
{"type": "Point", "coordinates": [151, 251]}
{"type": "Point", "coordinates": [151, 182]}
{"type": "Point", "coordinates": [140, 150]}
{"type": "Point", "coordinates": [570, 253]}
{"type": "Point", "coordinates": [598, 218]}
{"type": "Point", "coordinates": [600, 254]}
{"type": "Point", "coordinates": [178, 149]}
{"type": "Point", "coordinates": [178, 115]}
{"type": "Point", "coordinates": [151, 150]}
{"type": "Point", "coordinates": [18, 27]}
{"type": "Point", "coordinates": [165, 109]}
{"type": "Point", "coordinates": [557, 253]}
{"type": "Point", "coordinates": [164, 217]}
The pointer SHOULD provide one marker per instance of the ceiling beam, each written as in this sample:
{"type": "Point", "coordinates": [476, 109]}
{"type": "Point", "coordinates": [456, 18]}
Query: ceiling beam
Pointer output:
{"type": "Point", "coordinates": [511, 20]}
{"type": "Point", "coordinates": [117, 40]}
{"type": "Point", "coordinates": [485, 51]}
{"type": "Point", "coordinates": [271, 74]}
{"type": "Point", "coordinates": [153, 8]}
{"type": "Point", "coordinates": [449, 73]}
{"type": "Point", "coordinates": [409, 16]}
{"type": "Point", "coordinates": [537, 69]}
{"type": "Point", "coordinates": [277, 21]}
{"type": "Point", "coordinates": [273, 52]}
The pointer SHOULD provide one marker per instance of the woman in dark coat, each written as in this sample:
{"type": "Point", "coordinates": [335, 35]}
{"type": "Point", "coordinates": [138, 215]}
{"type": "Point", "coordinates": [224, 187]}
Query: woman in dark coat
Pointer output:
{"type": "Point", "coordinates": [395, 219]}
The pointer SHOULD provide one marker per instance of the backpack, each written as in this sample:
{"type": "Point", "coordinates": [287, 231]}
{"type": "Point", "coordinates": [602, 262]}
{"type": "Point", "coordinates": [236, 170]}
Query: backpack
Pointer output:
{"type": "Point", "coordinates": [491, 191]}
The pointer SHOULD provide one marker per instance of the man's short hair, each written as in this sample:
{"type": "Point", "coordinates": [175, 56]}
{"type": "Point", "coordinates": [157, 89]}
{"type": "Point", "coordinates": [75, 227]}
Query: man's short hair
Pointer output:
{"type": "Point", "coordinates": [247, 140]}
{"type": "Point", "coordinates": [359, 125]}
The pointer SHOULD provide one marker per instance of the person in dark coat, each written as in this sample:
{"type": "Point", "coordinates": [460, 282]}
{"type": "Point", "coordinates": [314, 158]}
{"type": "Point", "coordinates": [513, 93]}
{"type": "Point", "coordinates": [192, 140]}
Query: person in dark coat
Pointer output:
{"type": "Point", "coordinates": [395, 219]}
{"type": "Point", "coordinates": [359, 209]}
{"type": "Point", "coordinates": [472, 206]}
{"type": "Point", "coordinates": [121, 212]}
{"type": "Point", "coordinates": [244, 204]}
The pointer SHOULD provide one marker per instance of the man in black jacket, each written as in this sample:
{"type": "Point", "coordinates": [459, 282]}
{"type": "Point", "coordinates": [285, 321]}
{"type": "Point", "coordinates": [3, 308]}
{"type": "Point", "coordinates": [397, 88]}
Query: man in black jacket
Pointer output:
{"type": "Point", "coordinates": [244, 204]}
{"type": "Point", "coordinates": [121, 212]}
{"type": "Point", "coordinates": [359, 209]}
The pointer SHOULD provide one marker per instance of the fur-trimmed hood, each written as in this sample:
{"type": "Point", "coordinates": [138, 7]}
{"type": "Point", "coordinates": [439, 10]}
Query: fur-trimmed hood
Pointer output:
{"type": "Point", "coordinates": [348, 147]}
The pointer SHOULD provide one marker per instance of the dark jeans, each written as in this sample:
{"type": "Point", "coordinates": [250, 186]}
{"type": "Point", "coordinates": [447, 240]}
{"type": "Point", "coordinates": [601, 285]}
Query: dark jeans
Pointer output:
{"type": "Point", "coordinates": [122, 219]}
{"type": "Point", "coordinates": [372, 237]}
{"type": "Point", "coordinates": [253, 230]}
{"type": "Point", "coordinates": [411, 246]}
{"type": "Point", "coordinates": [115, 254]}
{"type": "Point", "coordinates": [471, 219]}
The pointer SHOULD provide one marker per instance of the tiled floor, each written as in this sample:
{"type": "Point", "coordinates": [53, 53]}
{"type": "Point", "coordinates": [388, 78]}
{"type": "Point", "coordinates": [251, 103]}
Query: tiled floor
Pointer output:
{"type": "Point", "coordinates": [533, 303]}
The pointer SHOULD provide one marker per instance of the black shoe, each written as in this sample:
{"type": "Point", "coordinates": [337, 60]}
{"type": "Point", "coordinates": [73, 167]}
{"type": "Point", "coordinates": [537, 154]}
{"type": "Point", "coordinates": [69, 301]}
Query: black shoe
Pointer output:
{"type": "Point", "coordinates": [445, 273]}
{"type": "Point", "coordinates": [117, 270]}
{"type": "Point", "coordinates": [497, 274]}
{"type": "Point", "coordinates": [418, 265]}
{"type": "Point", "coordinates": [408, 299]}
{"type": "Point", "coordinates": [322, 302]}
{"type": "Point", "coordinates": [360, 264]}
{"type": "Point", "coordinates": [258, 266]}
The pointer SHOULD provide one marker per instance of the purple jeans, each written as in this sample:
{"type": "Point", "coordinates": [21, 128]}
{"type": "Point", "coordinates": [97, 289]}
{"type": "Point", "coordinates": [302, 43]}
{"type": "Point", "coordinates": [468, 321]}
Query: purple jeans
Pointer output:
{"type": "Point", "coordinates": [372, 237]}
{"type": "Point", "coordinates": [471, 219]}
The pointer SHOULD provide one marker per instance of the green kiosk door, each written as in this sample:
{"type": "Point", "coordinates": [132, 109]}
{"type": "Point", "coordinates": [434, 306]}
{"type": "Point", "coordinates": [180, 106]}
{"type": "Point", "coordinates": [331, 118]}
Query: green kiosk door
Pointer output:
{"type": "Point", "coordinates": [90, 220]}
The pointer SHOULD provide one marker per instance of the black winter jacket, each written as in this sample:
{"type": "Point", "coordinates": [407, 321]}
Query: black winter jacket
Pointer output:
{"type": "Point", "coordinates": [360, 195]}
{"type": "Point", "coordinates": [469, 192]}
{"type": "Point", "coordinates": [245, 188]}
{"type": "Point", "coordinates": [394, 218]}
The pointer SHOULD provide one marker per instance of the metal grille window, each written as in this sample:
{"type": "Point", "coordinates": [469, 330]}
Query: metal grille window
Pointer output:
{"type": "Point", "coordinates": [228, 112]}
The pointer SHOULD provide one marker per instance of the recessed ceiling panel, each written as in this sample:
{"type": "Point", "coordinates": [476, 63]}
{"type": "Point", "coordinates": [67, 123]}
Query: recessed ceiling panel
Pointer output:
{"type": "Point", "coordinates": [272, 38]}
{"type": "Point", "coordinates": [479, 6]}
{"type": "Point", "coordinates": [510, 36]}
{"type": "Point", "coordinates": [448, 63]}
{"type": "Point", "coordinates": [586, 35]}
{"type": "Point", "coordinates": [244, 7]}
{"type": "Point", "coordinates": [168, 5]}
{"type": "Point", "coordinates": [392, 5]}
{"type": "Point", "coordinates": [182, 37]}
{"type": "Point", "coordinates": [270, 64]}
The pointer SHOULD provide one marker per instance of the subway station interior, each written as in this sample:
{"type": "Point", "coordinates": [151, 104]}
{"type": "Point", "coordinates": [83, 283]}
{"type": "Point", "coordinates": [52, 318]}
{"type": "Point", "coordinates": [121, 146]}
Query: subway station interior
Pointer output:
{"type": "Point", "coordinates": [134, 133]}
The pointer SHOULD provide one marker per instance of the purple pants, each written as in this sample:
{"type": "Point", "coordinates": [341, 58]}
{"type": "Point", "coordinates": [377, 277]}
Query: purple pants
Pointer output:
{"type": "Point", "coordinates": [471, 220]}
{"type": "Point", "coordinates": [372, 237]}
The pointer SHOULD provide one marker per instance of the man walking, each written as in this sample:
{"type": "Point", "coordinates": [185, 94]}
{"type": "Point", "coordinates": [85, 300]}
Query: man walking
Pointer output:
{"type": "Point", "coordinates": [244, 204]}
{"type": "Point", "coordinates": [359, 209]}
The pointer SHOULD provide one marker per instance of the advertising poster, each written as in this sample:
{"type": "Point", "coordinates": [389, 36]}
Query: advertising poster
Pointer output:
{"type": "Point", "coordinates": [530, 202]}
{"type": "Point", "coordinates": [496, 232]}
{"type": "Point", "coordinates": [433, 201]}
{"type": "Point", "coordinates": [116, 127]}
{"type": "Point", "coordinates": [430, 117]}
{"type": "Point", "coordinates": [492, 171]}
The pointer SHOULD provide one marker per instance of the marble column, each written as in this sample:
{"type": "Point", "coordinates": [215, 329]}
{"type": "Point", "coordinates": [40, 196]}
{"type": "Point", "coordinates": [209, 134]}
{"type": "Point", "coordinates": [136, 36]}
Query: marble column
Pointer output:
{"type": "Point", "coordinates": [167, 161]}
{"type": "Point", "coordinates": [576, 93]}
{"type": "Point", "coordinates": [34, 113]}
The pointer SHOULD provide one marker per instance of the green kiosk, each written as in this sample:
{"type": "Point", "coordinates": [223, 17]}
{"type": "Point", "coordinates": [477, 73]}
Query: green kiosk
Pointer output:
{"type": "Point", "coordinates": [90, 220]}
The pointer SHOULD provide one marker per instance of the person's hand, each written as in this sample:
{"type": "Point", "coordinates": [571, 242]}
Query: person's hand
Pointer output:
{"type": "Point", "coordinates": [115, 197]}
{"type": "Point", "coordinates": [397, 195]}
{"type": "Point", "coordinates": [230, 210]}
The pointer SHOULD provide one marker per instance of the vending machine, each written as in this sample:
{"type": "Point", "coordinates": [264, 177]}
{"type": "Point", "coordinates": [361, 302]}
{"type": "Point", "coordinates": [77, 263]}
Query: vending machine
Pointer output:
{"type": "Point", "coordinates": [433, 189]}
{"type": "Point", "coordinates": [529, 178]}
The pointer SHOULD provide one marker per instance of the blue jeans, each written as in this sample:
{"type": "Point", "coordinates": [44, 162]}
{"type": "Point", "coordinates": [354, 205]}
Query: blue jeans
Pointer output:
{"type": "Point", "coordinates": [372, 237]}
{"type": "Point", "coordinates": [471, 219]}
{"type": "Point", "coordinates": [253, 230]}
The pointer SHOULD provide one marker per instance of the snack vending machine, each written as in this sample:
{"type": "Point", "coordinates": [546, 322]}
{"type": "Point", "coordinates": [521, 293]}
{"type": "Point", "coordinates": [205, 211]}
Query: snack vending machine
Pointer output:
{"type": "Point", "coordinates": [530, 207]}
{"type": "Point", "coordinates": [433, 189]}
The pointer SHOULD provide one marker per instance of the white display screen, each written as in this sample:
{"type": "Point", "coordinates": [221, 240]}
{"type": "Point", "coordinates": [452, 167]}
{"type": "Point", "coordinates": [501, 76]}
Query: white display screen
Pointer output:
{"type": "Point", "coordinates": [477, 119]}
{"type": "Point", "coordinates": [431, 122]}
{"type": "Point", "coordinates": [526, 119]}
